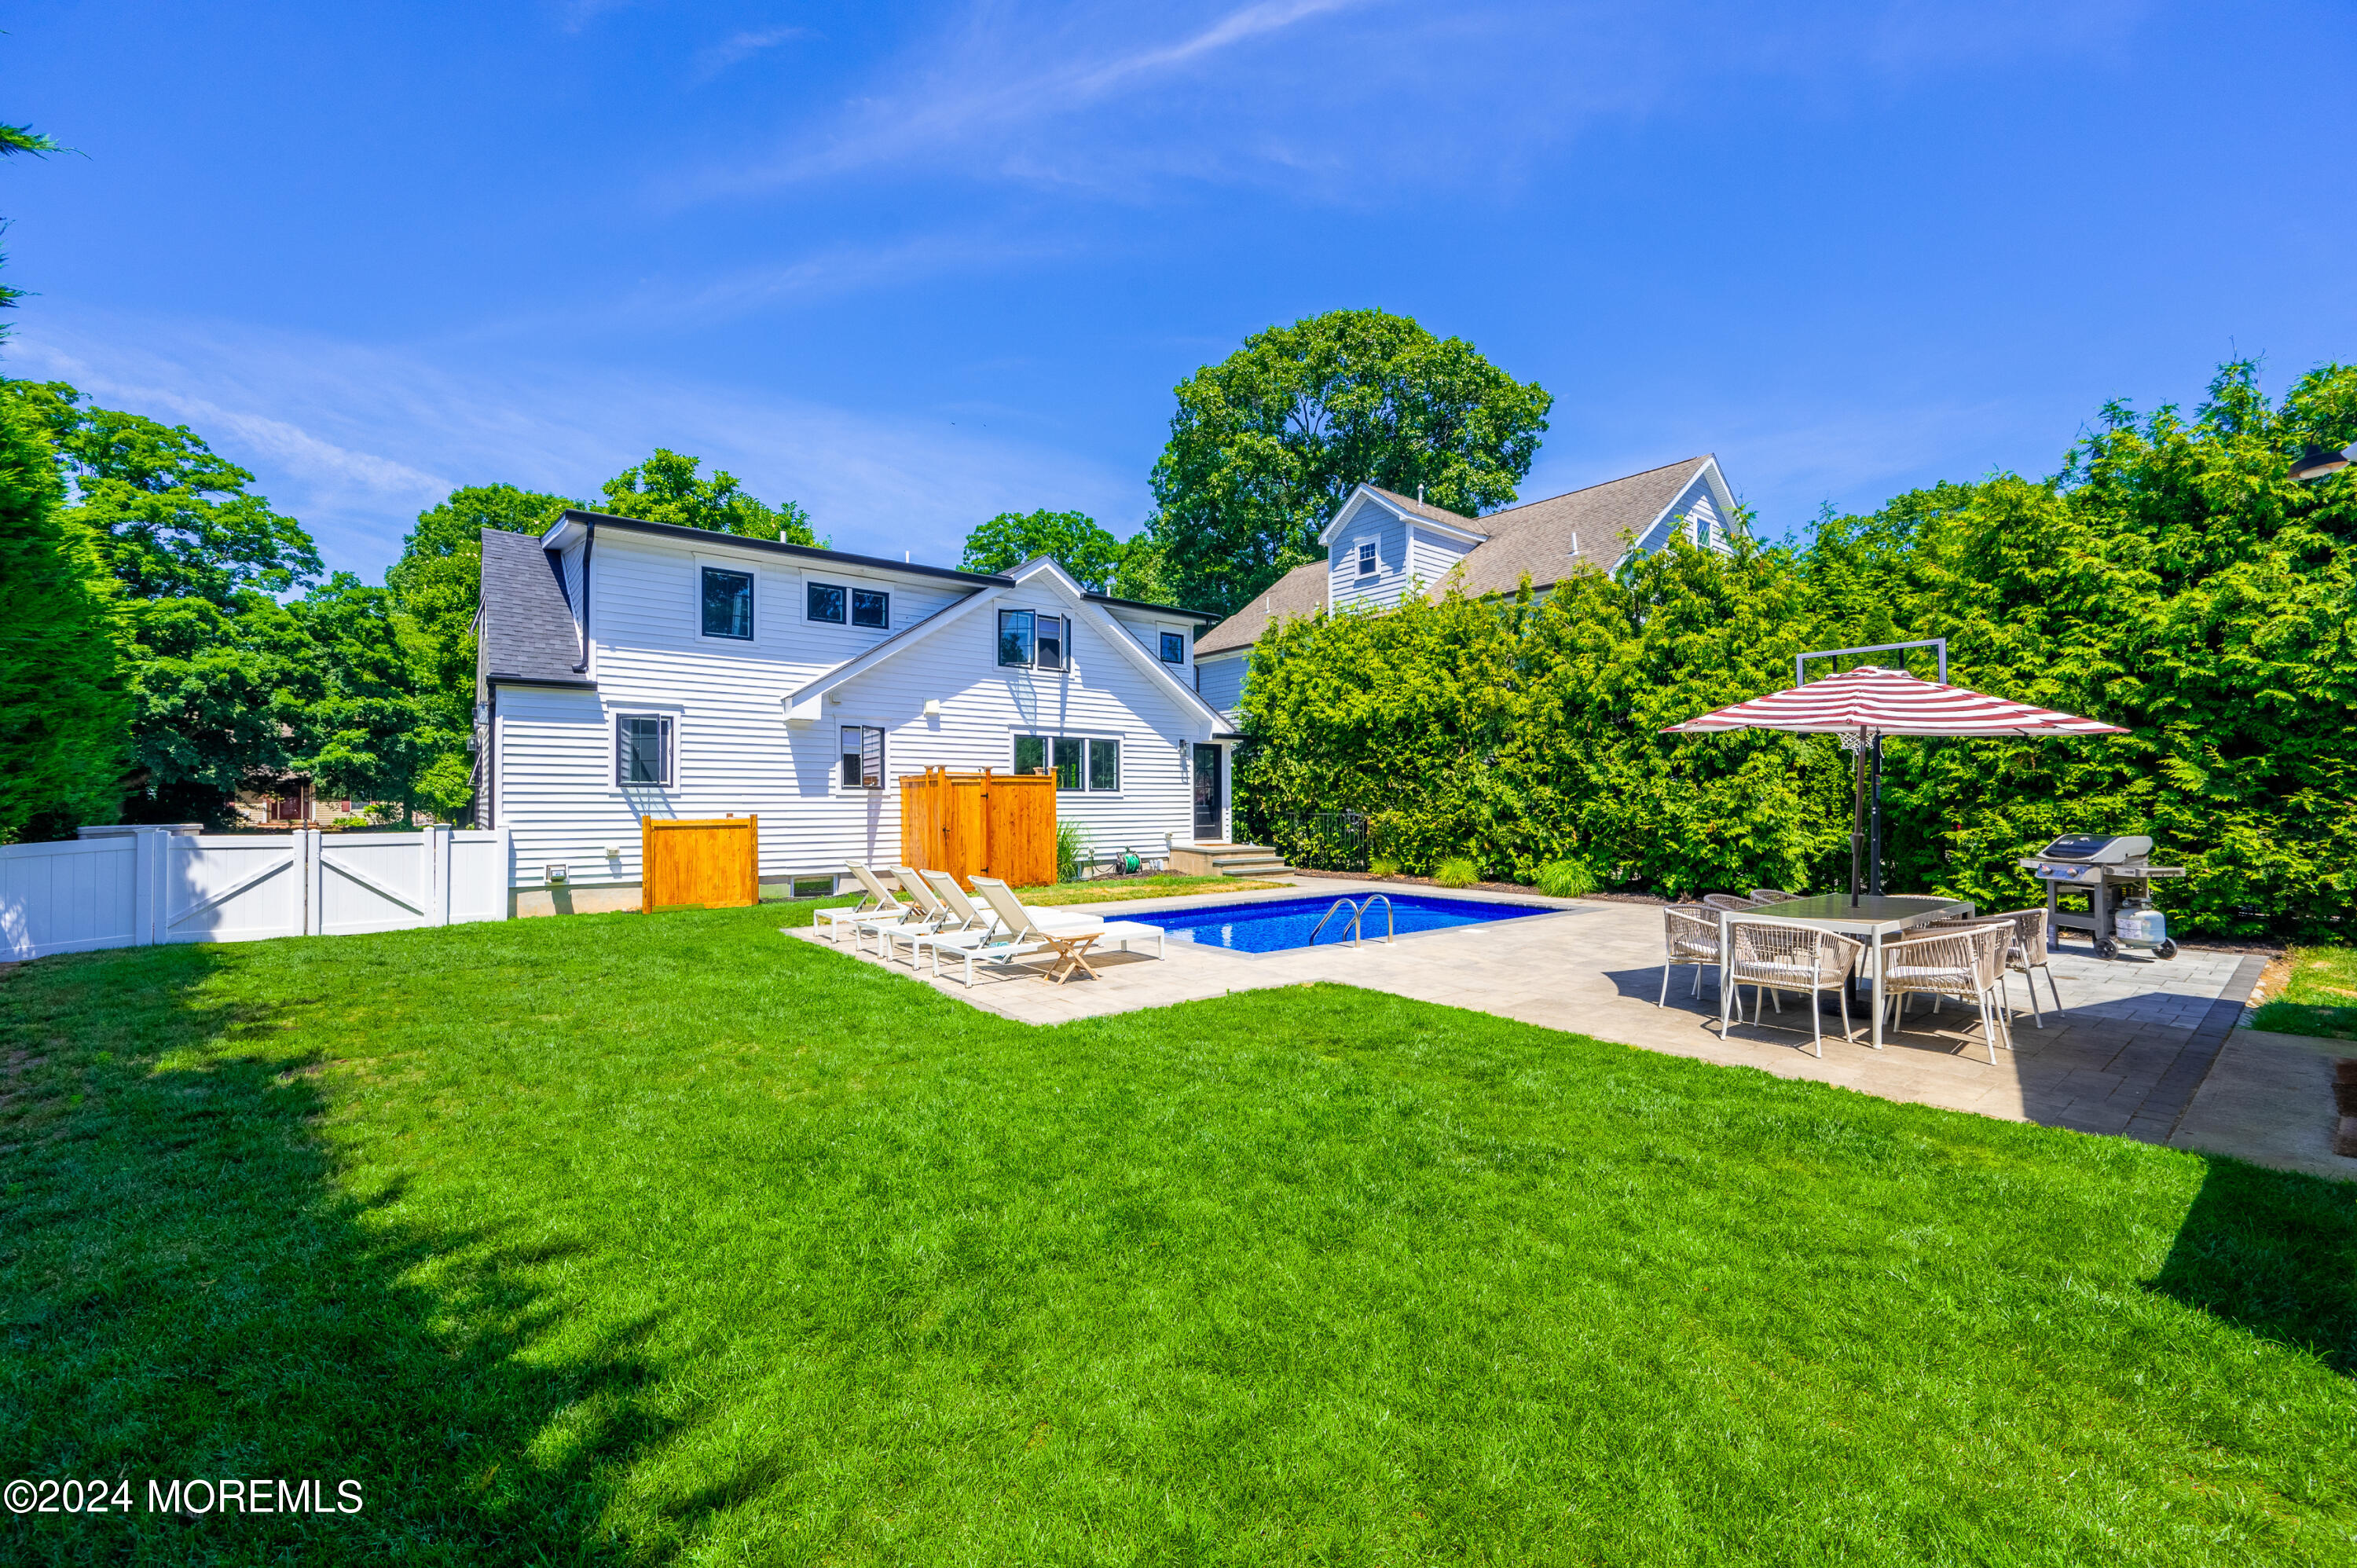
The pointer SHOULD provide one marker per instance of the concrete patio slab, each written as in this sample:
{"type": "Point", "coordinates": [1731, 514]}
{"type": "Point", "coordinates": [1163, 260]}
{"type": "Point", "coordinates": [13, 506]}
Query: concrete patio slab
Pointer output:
{"type": "Point", "coordinates": [2134, 1039]}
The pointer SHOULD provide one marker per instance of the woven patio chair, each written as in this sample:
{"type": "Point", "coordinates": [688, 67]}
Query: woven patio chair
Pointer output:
{"type": "Point", "coordinates": [1693, 936]}
{"type": "Point", "coordinates": [1771, 896]}
{"type": "Point", "coordinates": [1772, 956]}
{"type": "Point", "coordinates": [2025, 953]}
{"type": "Point", "coordinates": [1964, 962]}
{"type": "Point", "coordinates": [1727, 901]}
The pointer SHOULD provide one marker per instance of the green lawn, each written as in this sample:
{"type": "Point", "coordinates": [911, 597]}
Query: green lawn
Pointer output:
{"type": "Point", "coordinates": [2320, 999]}
{"type": "Point", "coordinates": [650, 1238]}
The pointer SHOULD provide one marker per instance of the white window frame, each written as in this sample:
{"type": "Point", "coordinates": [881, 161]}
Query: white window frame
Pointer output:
{"type": "Point", "coordinates": [669, 722]}
{"type": "Point", "coordinates": [753, 621]}
{"type": "Point", "coordinates": [1016, 738]}
{"type": "Point", "coordinates": [1370, 559]}
{"type": "Point", "coordinates": [883, 756]}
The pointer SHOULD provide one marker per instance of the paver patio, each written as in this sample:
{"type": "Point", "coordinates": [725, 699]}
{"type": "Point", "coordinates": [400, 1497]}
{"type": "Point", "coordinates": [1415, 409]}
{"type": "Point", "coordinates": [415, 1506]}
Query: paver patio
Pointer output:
{"type": "Point", "coordinates": [2135, 1038]}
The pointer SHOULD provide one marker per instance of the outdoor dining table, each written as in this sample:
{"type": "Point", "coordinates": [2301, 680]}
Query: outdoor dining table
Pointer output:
{"type": "Point", "coordinates": [1869, 918]}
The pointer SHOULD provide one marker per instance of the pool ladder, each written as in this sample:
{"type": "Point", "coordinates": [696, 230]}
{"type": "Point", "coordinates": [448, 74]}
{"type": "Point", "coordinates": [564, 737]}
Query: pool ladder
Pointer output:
{"type": "Point", "coordinates": [1358, 916]}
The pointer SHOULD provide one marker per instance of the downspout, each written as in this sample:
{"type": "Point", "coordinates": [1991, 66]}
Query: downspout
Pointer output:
{"type": "Point", "coordinates": [588, 543]}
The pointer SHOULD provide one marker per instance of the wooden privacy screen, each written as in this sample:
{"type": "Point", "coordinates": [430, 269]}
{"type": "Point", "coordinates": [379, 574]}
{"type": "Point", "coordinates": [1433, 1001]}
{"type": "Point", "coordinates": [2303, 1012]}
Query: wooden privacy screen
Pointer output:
{"type": "Point", "coordinates": [715, 862]}
{"type": "Point", "coordinates": [1000, 824]}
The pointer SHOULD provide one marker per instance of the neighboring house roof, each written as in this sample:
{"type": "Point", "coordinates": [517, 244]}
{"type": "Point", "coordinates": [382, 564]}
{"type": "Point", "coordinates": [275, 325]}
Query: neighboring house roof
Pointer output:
{"type": "Point", "coordinates": [527, 628]}
{"type": "Point", "coordinates": [1542, 541]}
{"type": "Point", "coordinates": [1299, 592]}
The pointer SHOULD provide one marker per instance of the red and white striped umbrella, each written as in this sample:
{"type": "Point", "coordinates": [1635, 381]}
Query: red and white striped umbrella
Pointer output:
{"type": "Point", "coordinates": [1869, 702]}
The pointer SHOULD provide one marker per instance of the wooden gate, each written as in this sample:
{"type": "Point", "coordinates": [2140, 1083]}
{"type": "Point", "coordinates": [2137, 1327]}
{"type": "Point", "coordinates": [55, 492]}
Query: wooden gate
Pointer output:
{"type": "Point", "coordinates": [1000, 824]}
{"type": "Point", "coordinates": [715, 862]}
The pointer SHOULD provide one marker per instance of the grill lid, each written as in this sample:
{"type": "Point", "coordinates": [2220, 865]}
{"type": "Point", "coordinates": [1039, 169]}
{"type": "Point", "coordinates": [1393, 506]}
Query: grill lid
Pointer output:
{"type": "Point", "coordinates": [2097, 849]}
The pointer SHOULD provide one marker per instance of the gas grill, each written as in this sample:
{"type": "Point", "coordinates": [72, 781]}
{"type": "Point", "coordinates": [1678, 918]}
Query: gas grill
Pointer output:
{"type": "Point", "coordinates": [2113, 874]}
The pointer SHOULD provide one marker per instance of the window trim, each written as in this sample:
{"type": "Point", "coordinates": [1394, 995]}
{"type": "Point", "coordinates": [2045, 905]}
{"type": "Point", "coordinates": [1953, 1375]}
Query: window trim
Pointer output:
{"type": "Point", "coordinates": [1087, 742]}
{"type": "Point", "coordinates": [670, 739]}
{"type": "Point", "coordinates": [883, 758]}
{"type": "Point", "coordinates": [753, 602]}
{"type": "Point", "coordinates": [810, 585]}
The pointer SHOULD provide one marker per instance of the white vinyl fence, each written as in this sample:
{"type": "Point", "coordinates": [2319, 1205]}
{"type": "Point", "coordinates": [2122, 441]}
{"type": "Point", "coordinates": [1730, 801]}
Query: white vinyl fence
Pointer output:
{"type": "Point", "coordinates": [151, 886]}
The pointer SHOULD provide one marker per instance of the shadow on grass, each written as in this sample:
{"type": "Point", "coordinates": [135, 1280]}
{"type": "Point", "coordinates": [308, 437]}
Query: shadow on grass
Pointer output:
{"type": "Point", "coordinates": [2273, 1253]}
{"type": "Point", "coordinates": [186, 1290]}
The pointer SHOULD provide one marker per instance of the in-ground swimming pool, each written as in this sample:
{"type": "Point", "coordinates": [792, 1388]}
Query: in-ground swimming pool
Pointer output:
{"type": "Point", "coordinates": [1287, 922]}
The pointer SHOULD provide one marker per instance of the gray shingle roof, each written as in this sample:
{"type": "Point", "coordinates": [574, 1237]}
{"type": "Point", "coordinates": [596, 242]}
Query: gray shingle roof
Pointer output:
{"type": "Point", "coordinates": [1535, 540]}
{"type": "Point", "coordinates": [528, 632]}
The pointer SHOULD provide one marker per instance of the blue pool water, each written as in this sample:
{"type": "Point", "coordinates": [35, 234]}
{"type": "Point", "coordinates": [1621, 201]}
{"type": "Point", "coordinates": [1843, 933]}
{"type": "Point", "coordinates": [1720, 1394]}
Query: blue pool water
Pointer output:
{"type": "Point", "coordinates": [1287, 922]}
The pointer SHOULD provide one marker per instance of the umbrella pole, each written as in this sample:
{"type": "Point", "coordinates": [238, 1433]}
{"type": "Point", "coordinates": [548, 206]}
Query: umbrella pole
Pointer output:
{"type": "Point", "coordinates": [1858, 827]}
{"type": "Point", "coordinates": [1873, 827]}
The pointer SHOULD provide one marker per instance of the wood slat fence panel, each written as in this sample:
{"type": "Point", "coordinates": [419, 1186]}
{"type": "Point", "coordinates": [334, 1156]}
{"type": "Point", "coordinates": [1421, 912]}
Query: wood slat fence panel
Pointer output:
{"type": "Point", "coordinates": [997, 824]}
{"type": "Point", "coordinates": [710, 863]}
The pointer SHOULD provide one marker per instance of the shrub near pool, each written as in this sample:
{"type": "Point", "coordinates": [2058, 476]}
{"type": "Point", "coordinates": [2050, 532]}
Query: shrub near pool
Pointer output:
{"type": "Point", "coordinates": [619, 1237]}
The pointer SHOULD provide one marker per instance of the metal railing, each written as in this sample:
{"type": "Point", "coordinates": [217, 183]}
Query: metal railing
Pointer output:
{"type": "Point", "coordinates": [1355, 930]}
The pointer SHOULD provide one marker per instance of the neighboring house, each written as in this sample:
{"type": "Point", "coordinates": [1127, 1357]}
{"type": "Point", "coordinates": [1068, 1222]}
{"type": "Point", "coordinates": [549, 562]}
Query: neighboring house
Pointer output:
{"type": "Point", "coordinates": [1380, 547]}
{"type": "Point", "coordinates": [628, 669]}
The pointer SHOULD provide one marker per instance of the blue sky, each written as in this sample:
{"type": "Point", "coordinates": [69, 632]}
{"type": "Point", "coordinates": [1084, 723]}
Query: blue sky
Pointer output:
{"type": "Point", "coordinates": [913, 265]}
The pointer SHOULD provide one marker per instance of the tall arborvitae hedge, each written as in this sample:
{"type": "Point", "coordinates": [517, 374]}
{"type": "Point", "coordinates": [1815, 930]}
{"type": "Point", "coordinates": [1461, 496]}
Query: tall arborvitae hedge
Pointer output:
{"type": "Point", "coordinates": [2173, 578]}
{"type": "Point", "coordinates": [63, 715]}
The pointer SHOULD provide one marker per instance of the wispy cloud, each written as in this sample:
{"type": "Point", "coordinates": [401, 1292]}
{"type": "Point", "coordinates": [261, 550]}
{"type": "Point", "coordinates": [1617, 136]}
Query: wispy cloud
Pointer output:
{"type": "Point", "coordinates": [356, 439]}
{"type": "Point", "coordinates": [712, 60]}
{"type": "Point", "coordinates": [986, 84]}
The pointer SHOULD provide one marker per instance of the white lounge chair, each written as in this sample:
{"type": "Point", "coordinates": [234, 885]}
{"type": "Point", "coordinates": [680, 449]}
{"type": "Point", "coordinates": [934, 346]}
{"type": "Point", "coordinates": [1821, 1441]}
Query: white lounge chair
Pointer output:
{"type": "Point", "coordinates": [938, 915]}
{"type": "Point", "coordinates": [1012, 932]}
{"type": "Point", "coordinates": [874, 899]}
{"type": "Point", "coordinates": [892, 916]}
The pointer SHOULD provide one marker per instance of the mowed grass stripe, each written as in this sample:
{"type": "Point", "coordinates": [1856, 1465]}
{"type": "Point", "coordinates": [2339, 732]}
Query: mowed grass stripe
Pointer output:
{"type": "Point", "coordinates": [630, 1238]}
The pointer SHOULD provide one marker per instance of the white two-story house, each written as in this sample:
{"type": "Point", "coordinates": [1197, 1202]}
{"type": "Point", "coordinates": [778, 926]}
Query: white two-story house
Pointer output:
{"type": "Point", "coordinates": [1382, 547]}
{"type": "Point", "coordinates": [628, 669]}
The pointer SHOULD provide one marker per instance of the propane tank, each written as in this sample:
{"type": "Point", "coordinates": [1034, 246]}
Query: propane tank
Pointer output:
{"type": "Point", "coordinates": [2139, 923]}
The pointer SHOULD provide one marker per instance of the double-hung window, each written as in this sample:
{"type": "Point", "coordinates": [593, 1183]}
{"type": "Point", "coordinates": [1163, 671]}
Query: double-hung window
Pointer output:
{"type": "Point", "coordinates": [863, 756]}
{"type": "Point", "coordinates": [642, 750]}
{"type": "Point", "coordinates": [727, 603]}
{"type": "Point", "coordinates": [1081, 763]}
{"type": "Point", "coordinates": [1174, 647]}
{"type": "Point", "coordinates": [1366, 560]}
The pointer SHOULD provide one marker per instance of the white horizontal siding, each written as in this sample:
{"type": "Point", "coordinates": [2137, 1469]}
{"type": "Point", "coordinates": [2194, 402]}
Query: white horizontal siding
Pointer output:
{"type": "Point", "coordinates": [735, 753]}
{"type": "Point", "coordinates": [1431, 556]}
{"type": "Point", "coordinates": [1222, 679]}
{"type": "Point", "coordinates": [1369, 522]}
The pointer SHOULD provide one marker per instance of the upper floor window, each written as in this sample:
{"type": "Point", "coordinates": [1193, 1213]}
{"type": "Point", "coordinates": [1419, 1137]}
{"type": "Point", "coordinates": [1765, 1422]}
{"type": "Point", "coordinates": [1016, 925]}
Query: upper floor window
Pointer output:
{"type": "Point", "coordinates": [1174, 647]}
{"type": "Point", "coordinates": [642, 749]}
{"type": "Point", "coordinates": [727, 603]}
{"type": "Point", "coordinates": [1366, 560]}
{"type": "Point", "coordinates": [1029, 638]}
{"type": "Point", "coordinates": [871, 607]}
{"type": "Point", "coordinates": [825, 602]}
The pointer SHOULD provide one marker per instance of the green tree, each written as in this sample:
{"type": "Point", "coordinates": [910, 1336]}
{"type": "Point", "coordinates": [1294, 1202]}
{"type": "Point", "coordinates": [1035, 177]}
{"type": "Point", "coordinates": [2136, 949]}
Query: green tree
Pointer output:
{"type": "Point", "coordinates": [1268, 443]}
{"type": "Point", "coordinates": [212, 663]}
{"type": "Point", "coordinates": [666, 489]}
{"type": "Point", "coordinates": [63, 713]}
{"type": "Point", "coordinates": [1072, 540]}
{"type": "Point", "coordinates": [370, 725]}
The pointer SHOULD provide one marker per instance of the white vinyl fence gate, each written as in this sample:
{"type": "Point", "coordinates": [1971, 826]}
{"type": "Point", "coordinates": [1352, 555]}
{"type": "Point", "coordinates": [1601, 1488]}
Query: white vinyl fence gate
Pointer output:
{"type": "Point", "coordinates": [152, 885]}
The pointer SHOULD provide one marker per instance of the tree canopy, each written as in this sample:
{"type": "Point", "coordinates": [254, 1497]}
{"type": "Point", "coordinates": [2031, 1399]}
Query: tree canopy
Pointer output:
{"type": "Point", "coordinates": [666, 489]}
{"type": "Point", "coordinates": [1070, 539]}
{"type": "Point", "coordinates": [2171, 578]}
{"type": "Point", "coordinates": [1266, 443]}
